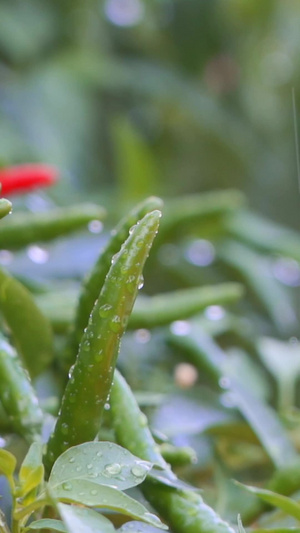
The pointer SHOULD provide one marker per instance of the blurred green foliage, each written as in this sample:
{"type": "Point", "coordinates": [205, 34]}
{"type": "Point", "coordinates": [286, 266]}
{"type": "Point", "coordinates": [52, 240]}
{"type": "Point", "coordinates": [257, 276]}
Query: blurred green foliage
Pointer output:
{"type": "Point", "coordinates": [132, 98]}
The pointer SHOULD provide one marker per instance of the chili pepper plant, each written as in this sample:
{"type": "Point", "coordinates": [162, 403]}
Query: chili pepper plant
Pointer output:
{"type": "Point", "coordinates": [205, 389]}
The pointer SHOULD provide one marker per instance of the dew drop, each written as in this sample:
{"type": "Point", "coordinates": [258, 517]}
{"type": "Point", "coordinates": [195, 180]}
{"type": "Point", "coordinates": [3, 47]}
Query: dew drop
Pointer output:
{"type": "Point", "coordinates": [112, 469]}
{"type": "Point", "coordinates": [94, 492]}
{"type": "Point", "coordinates": [139, 470]}
{"type": "Point", "coordinates": [132, 229]}
{"type": "Point", "coordinates": [115, 324]}
{"type": "Point", "coordinates": [98, 357]}
{"type": "Point", "coordinates": [105, 310]}
{"type": "Point", "coordinates": [64, 429]}
{"type": "Point", "coordinates": [141, 282]}
{"type": "Point", "coordinates": [89, 466]}
{"type": "Point", "coordinates": [114, 258]}
{"type": "Point", "coordinates": [86, 346]}
{"type": "Point", "coordinates": [67, 486]}
{"type": "Point", "coordinates": [72, 460]}
{"type": "Point", "coordinates": [152, 517]}
{"type": "Point", "coordinates": [71, 371]}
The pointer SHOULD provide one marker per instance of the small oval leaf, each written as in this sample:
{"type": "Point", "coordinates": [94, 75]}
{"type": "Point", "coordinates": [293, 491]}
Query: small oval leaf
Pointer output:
{"type": "Point", "coordinates": [80, 520]}
{"type": "Point", "coordinates": [7, 466]}
{"type": "Point", "coordinates": [103, 463]}
{"type": "Point", "coordinates": [89, 493]}
{"type": "Point", "coordinates": [32, 470]}
{"type": "Point", "coordinates": [48, 523]}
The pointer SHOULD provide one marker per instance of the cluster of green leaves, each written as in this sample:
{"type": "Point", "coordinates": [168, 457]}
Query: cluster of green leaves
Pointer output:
{"type": "Point", "coordinates": [215, 383]}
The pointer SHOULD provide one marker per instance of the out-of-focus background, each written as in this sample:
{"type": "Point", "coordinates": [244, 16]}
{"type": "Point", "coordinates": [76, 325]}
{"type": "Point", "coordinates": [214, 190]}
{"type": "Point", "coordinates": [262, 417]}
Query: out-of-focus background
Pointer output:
{"type": "Point", "coordinates": [133, 97]}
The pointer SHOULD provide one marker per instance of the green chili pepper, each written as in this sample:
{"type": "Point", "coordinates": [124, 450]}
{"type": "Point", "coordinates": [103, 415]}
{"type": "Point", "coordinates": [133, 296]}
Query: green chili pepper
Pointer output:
{"type": "Point", "coordinates": [24, 228]}
{"type": "Point", "coordinates": [251, 228]}
{"type": "Point", "coordinates": [90, 382]}
{"type": "Point", "coordinates": [272, 296]}
{"type": "Point", "coordinates": [148, 312]}
{"type": "Point", "coordinates": [17, 395]}
{"type": "Point", "coordinates": [30, 328]}
{"type": "Point", "coordinates": [5, 207]}
{"type": "Point", "coordinates": [190, 209]}
{"type": "Point", "coordinates": [127, 414]}
{"type": "Point", "coordinates": [164, 308]}
{"type": "Point", "coordinates": [186, 511]}
{"type": "Point", "coordinates": [177, 455]}
{"type": "Point", "coordinates": [94, 282]}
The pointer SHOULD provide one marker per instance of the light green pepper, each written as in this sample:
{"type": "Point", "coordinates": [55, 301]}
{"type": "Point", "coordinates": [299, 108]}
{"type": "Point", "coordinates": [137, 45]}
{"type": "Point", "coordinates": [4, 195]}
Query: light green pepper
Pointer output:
{"type": "Point", "coordinates": [90, 379]}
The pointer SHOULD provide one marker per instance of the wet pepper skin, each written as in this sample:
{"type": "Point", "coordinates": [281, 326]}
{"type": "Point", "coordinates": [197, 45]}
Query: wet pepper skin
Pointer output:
{"type": "Point", "coordinates": [90, 380]}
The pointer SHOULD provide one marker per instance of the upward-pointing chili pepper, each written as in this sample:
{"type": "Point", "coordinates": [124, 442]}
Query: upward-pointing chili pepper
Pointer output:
{"type": "Point", "coordinates": [20, 179]}
{"type": "Point", "coordinates": [90, 382]}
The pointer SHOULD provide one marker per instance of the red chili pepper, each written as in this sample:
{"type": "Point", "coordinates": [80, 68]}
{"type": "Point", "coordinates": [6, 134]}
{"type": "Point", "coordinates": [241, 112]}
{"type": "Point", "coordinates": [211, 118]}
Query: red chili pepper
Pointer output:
{"type": "Point", "coordinates": [21, 179]}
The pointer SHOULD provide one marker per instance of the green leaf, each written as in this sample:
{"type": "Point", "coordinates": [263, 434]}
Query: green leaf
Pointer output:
{"type": "Point", "coordinates": [80, 520]}
{"type": "Point", "coordinates": [89, 493]}
{"type": "Point", "coordinates": [103, 463]}
{"type": "Point", "coordinates": [48, 523]}
{"type": "Point", "coordinates": [7, 466]}
{"type": "Point", "coordinates": [32, 469]}
{"type": "Point", "coordinates": [288, 505]}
